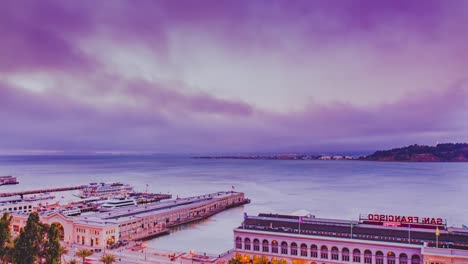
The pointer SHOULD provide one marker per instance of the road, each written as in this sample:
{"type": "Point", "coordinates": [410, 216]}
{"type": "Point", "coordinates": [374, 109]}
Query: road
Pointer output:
{"type": "Point", "coordinates": [145, 256]}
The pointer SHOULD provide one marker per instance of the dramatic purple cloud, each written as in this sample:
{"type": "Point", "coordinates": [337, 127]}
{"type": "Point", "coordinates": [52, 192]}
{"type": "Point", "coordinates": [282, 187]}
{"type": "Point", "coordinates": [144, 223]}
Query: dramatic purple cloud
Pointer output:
{"type": "Point", "coordinates": [224, 76]}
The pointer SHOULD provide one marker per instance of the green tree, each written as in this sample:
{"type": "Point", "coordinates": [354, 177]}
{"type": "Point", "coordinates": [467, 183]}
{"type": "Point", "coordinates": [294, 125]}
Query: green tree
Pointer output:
{"type": "Point", "coordinates": [52, 249]}
{"type": "Point", "coordinates": [84, 253]}
{"type": "Point", "coordinates": [5, 236]}
{"type": "Point", "coordinates": [9, 250]}
{"type": "Point", "coordinates": [108, 259]}
{"type": "Point", "coordinates": [27, 245]}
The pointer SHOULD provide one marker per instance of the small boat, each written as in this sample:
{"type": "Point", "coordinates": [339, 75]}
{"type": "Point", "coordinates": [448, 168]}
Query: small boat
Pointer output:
{"type": "Point", "coordinates": [5, 180]}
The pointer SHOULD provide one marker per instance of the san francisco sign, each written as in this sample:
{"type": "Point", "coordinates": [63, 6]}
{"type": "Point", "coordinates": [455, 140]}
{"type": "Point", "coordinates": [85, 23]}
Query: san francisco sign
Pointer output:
{"type": "Point", "coordinates": [404, 219]}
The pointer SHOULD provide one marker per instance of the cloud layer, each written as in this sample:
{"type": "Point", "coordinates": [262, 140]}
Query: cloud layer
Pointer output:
{"type": "Point", "coordinates": [231, 76]}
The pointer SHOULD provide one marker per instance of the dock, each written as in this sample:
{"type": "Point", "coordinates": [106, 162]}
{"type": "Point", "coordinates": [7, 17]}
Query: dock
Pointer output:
{"type": "Point", "coordinates": [37, 191]}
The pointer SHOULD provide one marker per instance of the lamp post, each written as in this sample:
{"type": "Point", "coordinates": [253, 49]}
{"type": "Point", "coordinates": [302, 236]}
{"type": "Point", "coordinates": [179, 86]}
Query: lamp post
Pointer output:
{"type": "Point", "coordinates": [145, 245]}
{"type": "Point", "coordinates": [191, 254]}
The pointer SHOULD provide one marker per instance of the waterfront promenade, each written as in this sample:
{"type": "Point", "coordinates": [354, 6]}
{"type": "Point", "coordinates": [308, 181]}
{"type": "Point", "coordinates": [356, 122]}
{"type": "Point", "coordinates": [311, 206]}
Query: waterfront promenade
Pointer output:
{"type": "Point", "coordinates": [136, 254]}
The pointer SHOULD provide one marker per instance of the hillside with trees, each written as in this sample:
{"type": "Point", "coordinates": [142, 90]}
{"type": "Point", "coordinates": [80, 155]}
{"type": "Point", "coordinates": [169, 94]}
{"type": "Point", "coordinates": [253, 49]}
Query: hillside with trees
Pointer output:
{"type": "Point", "coordinates": [447, 152]}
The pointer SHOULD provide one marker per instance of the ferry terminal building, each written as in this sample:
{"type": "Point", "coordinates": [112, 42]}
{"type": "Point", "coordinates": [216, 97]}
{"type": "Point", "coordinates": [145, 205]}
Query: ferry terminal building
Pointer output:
{"type": "Point", "coordinates": [100, 229]}
{"type": "Point", "coordinates": [374, 239]}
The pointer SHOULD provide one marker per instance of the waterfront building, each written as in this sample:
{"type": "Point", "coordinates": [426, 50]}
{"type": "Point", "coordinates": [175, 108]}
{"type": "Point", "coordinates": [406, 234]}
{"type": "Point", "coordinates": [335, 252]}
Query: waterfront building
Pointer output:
{"type": "Point", "coordinates": [98, 229]}
{"type": "Point", "coordinates": [373, 239]}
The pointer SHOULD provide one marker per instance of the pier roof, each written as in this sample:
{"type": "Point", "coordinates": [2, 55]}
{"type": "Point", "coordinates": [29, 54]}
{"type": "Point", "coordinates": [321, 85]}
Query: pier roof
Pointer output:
{"type": "Point", "coordinates": [132, 212]}
{"type": "Point", "coordinates": [345, 229]}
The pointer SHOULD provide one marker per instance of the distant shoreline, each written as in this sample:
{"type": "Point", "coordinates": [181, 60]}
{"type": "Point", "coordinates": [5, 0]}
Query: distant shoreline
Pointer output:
{"type": "Point", "coordinates": [448, 152]}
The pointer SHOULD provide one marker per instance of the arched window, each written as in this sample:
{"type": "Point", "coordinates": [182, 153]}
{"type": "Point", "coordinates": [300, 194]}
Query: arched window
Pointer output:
{"type": "Point", "coordinates": [238, 243]}
{"type": "Point", "coordinates": [334, 253]}
{"type": "Point", "coordinates": [391, 258]}
{"type": "Point", "coordinates": [274, 246]}
{"type": "Point", "coordinates": [379, 257]}
{"type": "Point", "coordinates": [345, 254]}
{"type": "Point", "coordinates": [256, 245]}
{"type": "Point", "coordinates": [324, 252]}
{"type": "Point", "coordinates": [313, 251]}
{"type": "Point", "coordinates": [415, 259]}
{"type": "Point", "coordinates": [284, 248]}
{"type": "Point", "coordinates": [265, 246]}
{"type": "Point", "coordinates": [367, 256]}
{"type": "Point", "coordinates": [303, 250]}
{"type": "Point", "coordinates": [247, 244]}
{"type": "Point", "coordinates": [356, 255]}
{"type": "Point", "coordinates": [403, 258]}
{"type": "Point", "coordinates": [294, 249]}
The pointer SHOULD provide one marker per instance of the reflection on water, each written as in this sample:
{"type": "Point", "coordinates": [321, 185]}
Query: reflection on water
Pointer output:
{"type": "Point", "coordinates": [341, 189]}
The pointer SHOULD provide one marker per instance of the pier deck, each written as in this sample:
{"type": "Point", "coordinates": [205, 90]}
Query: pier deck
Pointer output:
{"type": "Point", "coordinates": [37, 191]}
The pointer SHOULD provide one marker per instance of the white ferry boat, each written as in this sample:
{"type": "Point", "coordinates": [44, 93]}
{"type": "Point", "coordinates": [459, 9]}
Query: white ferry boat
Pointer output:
{"type": "Point", "coordinates": [106, 190]}
{"type": "Point", "coordinates": [117, 203]}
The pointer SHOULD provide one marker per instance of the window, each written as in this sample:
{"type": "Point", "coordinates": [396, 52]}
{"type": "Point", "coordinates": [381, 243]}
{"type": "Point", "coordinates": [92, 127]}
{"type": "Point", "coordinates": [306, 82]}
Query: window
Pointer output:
{"type": "Point", "coordinates": [256, 245]}
{"type": "Point", "coordinates": [391, 258]}
{"type": "Point", "coordinates": [284, 248]}
{"type": "Point", "coordinates": [247, 244]}
{"type": "Point", "coordinates": [367, 257]}
{"type": "Point", "coordinates": [345, 254]}
{"type": "Point", "coordinates": [334, 253]}
{"type": "Point", "coordinates": [415, 259]}
{"type": "Point", "coordinates": [303, 250]}
{"type": "Point", "coordinates": [294, 249]}
{"type": "Point", "coordinates": [265, 246]}
{"type": "Point", "coordinates": [313, 251]}
{"type": "Point", "coordinates": [379, 257]}
{"type": "Point", "coordinates": [238, 243]}
{"type": "Point", "coordinates": [356, 255]}
{"type": "Point", "coordinates": [324, 252]}
{"type": "Point", "coordinates": [274, 246]}
{"type": "Point", "coordinates": [403, 258]}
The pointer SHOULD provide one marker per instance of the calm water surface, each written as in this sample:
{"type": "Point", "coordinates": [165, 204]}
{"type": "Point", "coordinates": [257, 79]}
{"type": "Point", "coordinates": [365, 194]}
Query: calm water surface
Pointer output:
{"type": "Point", "coordinates": [341, 189]}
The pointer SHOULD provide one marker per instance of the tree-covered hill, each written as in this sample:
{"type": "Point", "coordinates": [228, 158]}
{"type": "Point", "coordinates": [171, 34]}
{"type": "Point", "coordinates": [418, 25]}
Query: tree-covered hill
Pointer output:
{"type": "Point", "coordinates": [440, 152]}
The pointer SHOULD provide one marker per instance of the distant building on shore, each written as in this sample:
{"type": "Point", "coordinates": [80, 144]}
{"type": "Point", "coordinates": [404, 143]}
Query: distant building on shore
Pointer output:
{"type": "Point", "coordinates": [374, 239]}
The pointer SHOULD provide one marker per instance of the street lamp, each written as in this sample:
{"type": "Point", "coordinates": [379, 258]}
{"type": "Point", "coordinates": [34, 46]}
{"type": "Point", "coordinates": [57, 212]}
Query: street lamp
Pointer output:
{"type": "Point", "coordinates": [191, 254]}
{"type": "Point", "coordinates": [145, 245]}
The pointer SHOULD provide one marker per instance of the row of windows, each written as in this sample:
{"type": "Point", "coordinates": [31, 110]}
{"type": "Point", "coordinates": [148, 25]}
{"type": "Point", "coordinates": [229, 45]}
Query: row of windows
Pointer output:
{"type": "Point", "coordinates": [80, 230]}
{"type": "Point", "coordinates": [335, 254]}
{"type": "Point", "coordinates": [110, 231]}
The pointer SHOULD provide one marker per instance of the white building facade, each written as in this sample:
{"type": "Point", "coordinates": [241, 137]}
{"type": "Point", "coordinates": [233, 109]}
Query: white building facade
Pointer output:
{"type": "Point", "coordinates": [268, 237]}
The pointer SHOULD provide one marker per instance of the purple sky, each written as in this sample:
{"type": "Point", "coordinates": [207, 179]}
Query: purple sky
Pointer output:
{"type": "Point", "coordinates": [232, 76]}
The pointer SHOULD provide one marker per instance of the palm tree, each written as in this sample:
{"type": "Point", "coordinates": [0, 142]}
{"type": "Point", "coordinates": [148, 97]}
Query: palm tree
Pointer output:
{"type": "Point", "coordinates": [73, 261]}
{"type": "Point", "coordinates": [108, 259]}
{"type": "Point", "coordinates": [63, 251]}
{"type": "Point", "coordinates": [83, 253]}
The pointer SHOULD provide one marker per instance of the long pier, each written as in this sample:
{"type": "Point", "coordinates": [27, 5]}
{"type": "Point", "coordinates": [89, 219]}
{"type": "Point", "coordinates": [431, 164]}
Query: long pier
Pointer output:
{"type": "Point", "coordinates": [61, 189]}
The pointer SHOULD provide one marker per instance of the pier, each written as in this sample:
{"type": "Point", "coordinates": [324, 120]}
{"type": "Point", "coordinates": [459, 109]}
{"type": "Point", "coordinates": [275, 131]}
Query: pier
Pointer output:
{"type": "Point", "coordinates": [37, 191]}
{"type": "Point", "coordinates": [137, 222]}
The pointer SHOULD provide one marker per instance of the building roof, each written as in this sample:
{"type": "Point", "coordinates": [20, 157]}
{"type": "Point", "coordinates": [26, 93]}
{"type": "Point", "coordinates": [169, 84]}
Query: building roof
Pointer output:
{"type": "Point", "coordinates": [342, 229]}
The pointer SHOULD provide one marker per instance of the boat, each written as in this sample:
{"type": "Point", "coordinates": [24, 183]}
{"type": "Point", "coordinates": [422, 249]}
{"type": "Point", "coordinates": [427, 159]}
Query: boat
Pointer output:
{"type": "Point", "coordinates": [72, 211]}
{"type": "Point", "coordinates": [106, 190]}
{"type": "Point", "coordinates": [117, 203]}
{"type": "Point", "coordinates": [5, 180]}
